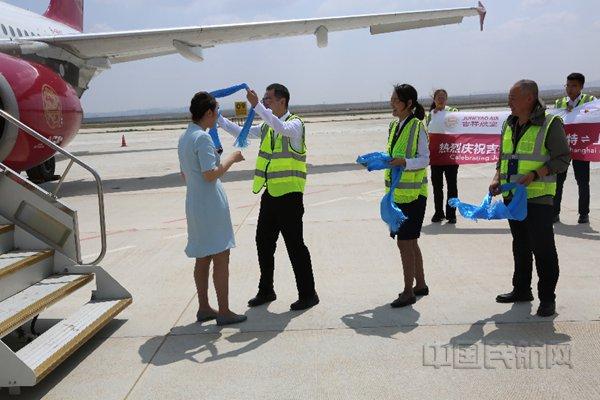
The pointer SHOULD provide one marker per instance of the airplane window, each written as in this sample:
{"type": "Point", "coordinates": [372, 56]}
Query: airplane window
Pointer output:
{"type": "Point", "coordinates": [12, 31]}
{"type": "Point", "coordinates": [19, 32]}
{"type": "Point", "coordinates": [4, 30]}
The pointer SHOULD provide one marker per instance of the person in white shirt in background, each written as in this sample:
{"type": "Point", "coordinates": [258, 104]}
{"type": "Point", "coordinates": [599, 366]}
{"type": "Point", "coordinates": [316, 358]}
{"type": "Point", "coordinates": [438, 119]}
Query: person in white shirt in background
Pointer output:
{"type": "Point", "coordinates": [440, 99]}
{"type": "Point", "coordinates": [281, 170]}
{"type": "Point", "coordinates": [575, 98]}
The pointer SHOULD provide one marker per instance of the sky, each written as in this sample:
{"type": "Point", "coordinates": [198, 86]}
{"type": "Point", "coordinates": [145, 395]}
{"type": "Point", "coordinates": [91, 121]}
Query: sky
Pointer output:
{"type": "Point", "coordinates": [542, 40]}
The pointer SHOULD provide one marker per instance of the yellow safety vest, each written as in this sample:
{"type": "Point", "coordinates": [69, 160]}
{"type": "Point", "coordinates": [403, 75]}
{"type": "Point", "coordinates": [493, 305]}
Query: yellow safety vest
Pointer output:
{"type": "Point", "coordinates": [564, 102]}
{"type": "Point", "coordinates": [280, 167]}
{"type": "Point", "coordinates": [531, 154]}
{"type": "Point", "coordinates": [412, 183]}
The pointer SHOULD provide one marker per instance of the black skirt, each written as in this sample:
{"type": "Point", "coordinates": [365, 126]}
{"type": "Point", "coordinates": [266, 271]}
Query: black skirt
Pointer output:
{"type": "Point", "coordinates": [415, 212]}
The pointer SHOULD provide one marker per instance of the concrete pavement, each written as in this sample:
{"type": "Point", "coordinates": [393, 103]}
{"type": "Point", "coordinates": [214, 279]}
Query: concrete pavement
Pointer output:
{"type": "Point", "coordinates": [456, 343]}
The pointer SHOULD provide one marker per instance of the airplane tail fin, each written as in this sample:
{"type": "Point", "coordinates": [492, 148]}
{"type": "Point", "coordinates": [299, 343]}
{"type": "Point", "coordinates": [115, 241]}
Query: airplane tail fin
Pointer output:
{"type": "Point", "coordinates": [68, 12]}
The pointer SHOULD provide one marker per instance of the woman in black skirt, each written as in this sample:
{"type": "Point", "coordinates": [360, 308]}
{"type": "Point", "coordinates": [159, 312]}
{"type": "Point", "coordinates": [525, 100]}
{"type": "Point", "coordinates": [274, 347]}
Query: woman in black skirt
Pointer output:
{"type": "Point", "coordinates": [408, 145]}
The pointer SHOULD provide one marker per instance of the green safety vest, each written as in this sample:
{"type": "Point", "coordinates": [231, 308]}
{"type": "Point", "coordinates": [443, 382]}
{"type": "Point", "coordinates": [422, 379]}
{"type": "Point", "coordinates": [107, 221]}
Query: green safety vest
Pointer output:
{"type": "Point", "coordinates": [412, 183]}
{"type": "Point", "coordinates": [447, 109]}
{"type": "Point", "coordinates": [280, 167]}
{"type": "Point", "coordinates": [585, 98]}
{"type": "Point", "coordinates": [531, 154]}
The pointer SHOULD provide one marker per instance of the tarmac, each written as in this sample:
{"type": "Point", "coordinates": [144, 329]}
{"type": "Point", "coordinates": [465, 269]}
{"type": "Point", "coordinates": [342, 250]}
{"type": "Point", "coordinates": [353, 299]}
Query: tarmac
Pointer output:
{"type": "Point", "coordinates": [456, 343]}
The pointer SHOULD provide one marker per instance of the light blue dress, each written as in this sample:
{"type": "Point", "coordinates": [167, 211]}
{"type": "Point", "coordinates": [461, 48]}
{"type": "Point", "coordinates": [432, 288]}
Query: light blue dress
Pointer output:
{"type": "Point", "coordinates": [207, 210]}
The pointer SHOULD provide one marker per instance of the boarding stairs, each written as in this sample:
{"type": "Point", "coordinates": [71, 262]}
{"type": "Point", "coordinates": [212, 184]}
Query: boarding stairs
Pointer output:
{"type": "Point", "coordinates": [41, 264]}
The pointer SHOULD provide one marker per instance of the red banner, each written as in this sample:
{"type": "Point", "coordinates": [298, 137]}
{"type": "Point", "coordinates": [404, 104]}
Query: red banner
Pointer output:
{"type": "Point", "coordinates": [474, 137]}
{"type": "Point", "coordinates": [451, 149]}
{"type": "Point", "coordinates": [584, 140]}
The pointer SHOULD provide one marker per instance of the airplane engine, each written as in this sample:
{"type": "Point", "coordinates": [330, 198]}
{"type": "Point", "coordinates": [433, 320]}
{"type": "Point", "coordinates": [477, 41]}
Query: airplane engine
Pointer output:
{"type": "Point", "coordinates": [41, 99]}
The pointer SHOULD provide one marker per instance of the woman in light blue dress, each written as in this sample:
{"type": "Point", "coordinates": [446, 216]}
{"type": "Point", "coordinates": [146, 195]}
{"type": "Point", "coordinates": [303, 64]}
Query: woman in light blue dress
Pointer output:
{"type": "Point", "coordinates": [210, 232]}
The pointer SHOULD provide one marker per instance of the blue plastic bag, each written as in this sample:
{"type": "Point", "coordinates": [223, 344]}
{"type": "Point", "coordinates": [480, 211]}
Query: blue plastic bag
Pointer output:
{"type": "Point", "coordinates": [391, 214]}
{"type": "Point", "coordinates": [375, 161]}
{"type": "Point", "coordinates": [242, 139]}
{"type": "Point", "coordinates": [389, 211]}
{"type": "Point", "coordinates": [515, 210]}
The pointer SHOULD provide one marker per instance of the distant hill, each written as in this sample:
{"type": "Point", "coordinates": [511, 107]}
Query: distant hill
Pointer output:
{"type": "Point", "coordinates": [467, 101]}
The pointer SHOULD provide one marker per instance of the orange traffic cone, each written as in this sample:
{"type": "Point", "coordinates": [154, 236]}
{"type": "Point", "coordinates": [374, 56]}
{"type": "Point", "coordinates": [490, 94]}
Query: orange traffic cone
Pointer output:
{"type": "Point", "coordinates": [123, 142]}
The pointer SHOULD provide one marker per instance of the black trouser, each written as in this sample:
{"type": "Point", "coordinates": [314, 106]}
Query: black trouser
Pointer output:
{"type": "Point", "coordinates": [283, 214]}
{"type": "Point", "coordinates": [534, 236]}
{"type": "Point", "coordinates": [582, 176]}
{"type": "Point", "coordinates": [437, 180]}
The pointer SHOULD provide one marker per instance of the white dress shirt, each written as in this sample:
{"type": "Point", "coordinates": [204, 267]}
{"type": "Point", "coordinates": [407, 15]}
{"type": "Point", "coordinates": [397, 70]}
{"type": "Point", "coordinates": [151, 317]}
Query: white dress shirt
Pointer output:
{"type": "Point", "coordinates": [421, 159]}
{"type": "Point", "coordinates": [573, 103]}
{"type": "Point", "coordinates": [292, 129]}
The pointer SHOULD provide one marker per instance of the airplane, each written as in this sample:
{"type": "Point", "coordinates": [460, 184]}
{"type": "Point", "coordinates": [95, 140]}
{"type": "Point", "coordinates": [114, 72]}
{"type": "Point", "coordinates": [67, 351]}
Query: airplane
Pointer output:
{"type": "Point", "coordinates": [47, 63]}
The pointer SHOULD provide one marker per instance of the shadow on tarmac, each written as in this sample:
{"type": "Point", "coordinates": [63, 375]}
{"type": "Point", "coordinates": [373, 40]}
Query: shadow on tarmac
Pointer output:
{"type": "Point", "coordinates": [82, 188]}
{"type": "Point", "coordinates": [393, 321]}
{"type": "Point", "coordinates": [194, 339]}
{"type": "Point", "coordinates": [516, 327]}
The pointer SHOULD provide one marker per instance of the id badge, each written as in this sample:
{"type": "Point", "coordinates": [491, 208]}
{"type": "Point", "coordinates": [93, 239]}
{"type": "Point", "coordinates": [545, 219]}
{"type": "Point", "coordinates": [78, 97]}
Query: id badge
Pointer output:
{"type": "Point", "coordinates": [513, 166]}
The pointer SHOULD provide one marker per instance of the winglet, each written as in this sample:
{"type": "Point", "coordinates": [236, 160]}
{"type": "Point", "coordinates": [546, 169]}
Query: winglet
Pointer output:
{"type": "Point", "coordinates": [482, 11]}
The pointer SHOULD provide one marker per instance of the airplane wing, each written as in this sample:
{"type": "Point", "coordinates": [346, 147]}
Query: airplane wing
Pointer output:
{"type": "Point", "coordinates": [120, 47]}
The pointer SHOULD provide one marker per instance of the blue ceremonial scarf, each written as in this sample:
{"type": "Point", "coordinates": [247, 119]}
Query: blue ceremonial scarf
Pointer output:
{"type": "Point", "coordinates": [516, 209]}
{"type": "Point", "coordinates": [391, 214]}
{"type": "Point", "coordinates": [242, 139]}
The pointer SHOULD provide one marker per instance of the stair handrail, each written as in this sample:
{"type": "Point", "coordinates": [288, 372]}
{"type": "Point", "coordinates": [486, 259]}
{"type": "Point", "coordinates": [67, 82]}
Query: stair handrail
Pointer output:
{"type": "Point", "coordinates": [9, 118]}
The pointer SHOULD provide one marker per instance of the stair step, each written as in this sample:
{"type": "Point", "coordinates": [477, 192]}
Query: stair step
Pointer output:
{"type": "Point", "coordinates": [59, 342]}
{"type": "Point", "coordinates": [6, 237]}
{"type": "Point", "coordinates": [14, 261]}
{"type": "Point", "coordinates": [23, 306]}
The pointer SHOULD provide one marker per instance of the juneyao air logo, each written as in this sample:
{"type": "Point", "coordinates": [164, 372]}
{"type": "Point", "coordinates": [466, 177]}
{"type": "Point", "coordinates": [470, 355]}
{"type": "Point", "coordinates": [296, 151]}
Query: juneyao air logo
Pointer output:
{"type": "Point", "coordinates": [52, 107]}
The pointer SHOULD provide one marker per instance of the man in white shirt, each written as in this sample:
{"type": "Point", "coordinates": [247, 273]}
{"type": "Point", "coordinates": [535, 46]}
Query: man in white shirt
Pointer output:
{"type": "Point", "coordinates": [575, 98]}
{"type": "Point", "coordinates": [281, 169]}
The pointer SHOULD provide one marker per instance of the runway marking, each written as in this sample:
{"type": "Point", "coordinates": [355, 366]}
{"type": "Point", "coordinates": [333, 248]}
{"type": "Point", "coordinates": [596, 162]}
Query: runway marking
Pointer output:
{"type": "Point", "coordinates": [112, 251]}
{"type": "Point", "coordinates": [316, 192]}
{"type": "Point", "coordinates": [176, 236]}
{"type": "Point", "coordinates": [371, 192]}
{"type": "Point", "coordinates": [329, 201]}
{"type": "Point", "coordinates": [175, 220]}
{"type": "Point", "coordinates": [110, 234]}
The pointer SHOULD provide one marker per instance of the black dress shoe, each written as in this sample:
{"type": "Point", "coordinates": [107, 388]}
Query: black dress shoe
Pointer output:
{"type": "Point", "coordinates": [403, 302]}
{"type": "Point", "coordinates": [261, 299]}
{"type": "Point", "coordinates": [514, 297]}
{"type": "Point", "coordinates": [546, 309]}
{"type": "Point", "coordinates": [452, 221]}
{"type": "Point", "coordinates": [421, 292]}
{"type": "Point", "coordinates": [583, 219]}
{"type": "Point", "coordinates": [437, 218]}
{"type": "Point", "coordinates": [556, 219]}
{"type": "Point", "coordinates": [304, 304]}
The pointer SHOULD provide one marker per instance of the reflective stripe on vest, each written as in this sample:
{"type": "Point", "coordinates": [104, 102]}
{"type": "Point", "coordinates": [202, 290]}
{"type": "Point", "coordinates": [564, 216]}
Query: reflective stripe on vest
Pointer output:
{"type": "Point", "coordinates": [531, 154]}
{"type": "Point", "coordinates": [406, 185]}
{"type": "Point", "coordinates": [280, 167]}
{"type": "Point", "coordinates": [412, 183]}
